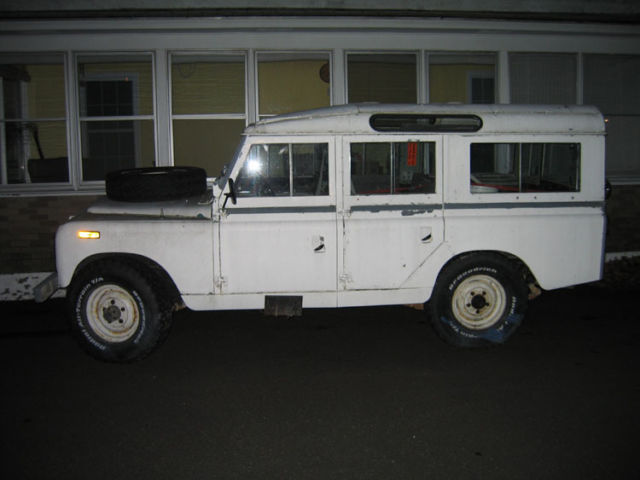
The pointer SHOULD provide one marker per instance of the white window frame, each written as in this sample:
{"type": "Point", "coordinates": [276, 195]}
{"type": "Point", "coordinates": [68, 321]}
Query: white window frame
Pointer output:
{"type": "Point", "coordinates": [135, 117]}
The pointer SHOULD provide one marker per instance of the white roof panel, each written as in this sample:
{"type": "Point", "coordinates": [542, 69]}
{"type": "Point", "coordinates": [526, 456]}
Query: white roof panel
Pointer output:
{"type": "Point", "coordinates": [355, 119]}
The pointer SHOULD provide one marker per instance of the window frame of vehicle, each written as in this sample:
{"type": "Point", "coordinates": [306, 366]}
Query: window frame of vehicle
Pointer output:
{"type": "Point", "coordinates": [354, 198]}
{"type": "Point", "coordinates": [248, 201]}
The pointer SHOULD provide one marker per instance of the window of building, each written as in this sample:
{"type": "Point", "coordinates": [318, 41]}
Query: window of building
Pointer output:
{"type": "Point", "coordinates": [462, 77]}
{"type": "Point", "coordinates": [116, 113]}
{"type": "Point", "coordinates": [525, 167]}
{"type": "Point", "coordinates": [543, 78]}
{"type": "Point", "coordinates": [382, 77]}
{"type": "Point", "coordinates": [611, 83]}
{"type": "Point", "coordinates": [392, 168]}
{"type": "Point", "coordinates": [289, 82]}
{"type": "Point", "coordinates": [208, 109]}
{"type": "Point", "coordinates": [33, 128]}
{"type": "Point", "coordinates": [285, 170]}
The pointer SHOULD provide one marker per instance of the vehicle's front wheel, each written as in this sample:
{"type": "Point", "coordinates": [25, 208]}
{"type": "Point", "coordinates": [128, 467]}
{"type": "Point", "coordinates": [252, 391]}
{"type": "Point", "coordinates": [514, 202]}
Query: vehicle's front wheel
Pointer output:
{"type": "Point", "coordinates": [478, 300]}
{"type": "Point", "coordinates": [117, 313]}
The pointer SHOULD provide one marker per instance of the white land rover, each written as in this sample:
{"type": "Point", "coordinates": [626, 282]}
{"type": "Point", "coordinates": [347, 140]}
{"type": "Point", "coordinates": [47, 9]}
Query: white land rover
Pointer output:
{"type": "Point", "coordinates": [469, 208]}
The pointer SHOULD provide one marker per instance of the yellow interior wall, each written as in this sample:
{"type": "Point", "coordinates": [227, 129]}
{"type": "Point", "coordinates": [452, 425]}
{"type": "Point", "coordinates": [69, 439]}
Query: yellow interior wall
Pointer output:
{"type": "Point", "coordinates": [209, 144]}
{"type": "Point", "coordinates": [45, 91]}
{"type": "Point", "coordinates": [448, 83]}
{"type": "Point", "coordinates": [46, 99]}
{"type": "Point", "coordinates": [147, 144]}
{"type": "Point", "coordinates": [207, 88]}
{"type": "Point", "coordinates": [288, 86]}
{"type": "Point", "coordinates": [382, 82]}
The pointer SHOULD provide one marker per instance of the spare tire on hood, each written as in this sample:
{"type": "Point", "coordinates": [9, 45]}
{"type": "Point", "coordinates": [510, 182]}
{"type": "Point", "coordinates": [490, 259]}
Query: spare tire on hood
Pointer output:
{"type": "Point", "coordinates": [155, 184]}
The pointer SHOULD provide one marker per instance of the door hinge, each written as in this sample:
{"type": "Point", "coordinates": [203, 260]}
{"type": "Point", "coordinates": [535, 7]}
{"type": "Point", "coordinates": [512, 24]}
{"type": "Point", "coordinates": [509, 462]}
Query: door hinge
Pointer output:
{"type": "Point", "coordinates": [345, 278]}
{"type": "Point", "coordinates": [220, 282]}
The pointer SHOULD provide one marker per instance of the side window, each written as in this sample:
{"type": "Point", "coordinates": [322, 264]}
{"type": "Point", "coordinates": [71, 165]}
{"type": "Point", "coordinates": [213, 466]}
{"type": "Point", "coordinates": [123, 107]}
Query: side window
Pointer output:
{"type": "Point", "coordinates": [392, 168]}
{"type": "Point", "coordinates": [524, 167]}
{"type": "Point", "coordinates": [285, 170]}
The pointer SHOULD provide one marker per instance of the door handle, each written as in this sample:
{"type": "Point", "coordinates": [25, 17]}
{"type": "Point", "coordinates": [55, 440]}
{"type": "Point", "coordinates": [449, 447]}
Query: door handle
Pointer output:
{"type": "Point", "coordinates": [425, 235]}
{"type": "Point", "coordinates": [318, 242]}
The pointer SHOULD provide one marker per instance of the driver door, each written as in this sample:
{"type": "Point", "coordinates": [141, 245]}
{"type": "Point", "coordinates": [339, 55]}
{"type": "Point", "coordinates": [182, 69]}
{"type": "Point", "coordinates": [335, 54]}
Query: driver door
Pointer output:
{"type": "Point", "coordinates": [280, 235]}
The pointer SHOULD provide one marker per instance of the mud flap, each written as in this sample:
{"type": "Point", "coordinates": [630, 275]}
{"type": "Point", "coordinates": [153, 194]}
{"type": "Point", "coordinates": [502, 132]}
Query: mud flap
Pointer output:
{"type": "Point", "coordinates": [45, 288]}
{"type": "Point", "coordinates": [283, 306]}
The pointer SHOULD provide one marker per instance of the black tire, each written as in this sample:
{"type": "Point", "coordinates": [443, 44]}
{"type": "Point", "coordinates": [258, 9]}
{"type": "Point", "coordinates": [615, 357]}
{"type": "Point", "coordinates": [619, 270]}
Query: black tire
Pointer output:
{"type": "Point", "coordinates": [478, 300]}
{"type": "Point", "coordinates": [118, 314]}
{"type": "Point", "coordinates": [155, 184]}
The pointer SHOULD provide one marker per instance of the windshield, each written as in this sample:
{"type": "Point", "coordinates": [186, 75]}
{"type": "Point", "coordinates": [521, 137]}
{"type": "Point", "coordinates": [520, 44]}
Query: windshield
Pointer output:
{"type": "Point", "coordinates": [221, 181]}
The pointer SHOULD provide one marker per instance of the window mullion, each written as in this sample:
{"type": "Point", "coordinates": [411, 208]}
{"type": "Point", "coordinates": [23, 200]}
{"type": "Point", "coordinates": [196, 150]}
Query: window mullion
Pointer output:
{"type": "Point", "coordinates": [3, 132]}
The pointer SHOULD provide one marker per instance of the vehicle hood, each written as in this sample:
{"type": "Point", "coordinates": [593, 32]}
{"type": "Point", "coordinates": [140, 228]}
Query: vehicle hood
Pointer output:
{"type": "Point", "coordinates": [193, 207]}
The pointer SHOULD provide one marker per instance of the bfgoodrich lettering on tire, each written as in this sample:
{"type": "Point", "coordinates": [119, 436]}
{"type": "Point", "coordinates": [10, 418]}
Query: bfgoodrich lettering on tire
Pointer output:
{"type": "Point", "coordinates": [117, 313]}
{"type": "Point", "coordinates": [478, 300]}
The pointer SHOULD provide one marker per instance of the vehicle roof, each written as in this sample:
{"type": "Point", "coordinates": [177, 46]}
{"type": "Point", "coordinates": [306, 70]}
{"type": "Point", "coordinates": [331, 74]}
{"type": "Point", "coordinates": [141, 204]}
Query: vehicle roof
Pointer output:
{"type": "Point", "coordinates": [355, 119]}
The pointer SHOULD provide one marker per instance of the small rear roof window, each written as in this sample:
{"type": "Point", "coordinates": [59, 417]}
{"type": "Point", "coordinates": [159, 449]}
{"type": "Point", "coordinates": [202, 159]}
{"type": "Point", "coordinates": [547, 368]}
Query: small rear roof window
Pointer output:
{"type": "Point", "coordinates": [425, 123]}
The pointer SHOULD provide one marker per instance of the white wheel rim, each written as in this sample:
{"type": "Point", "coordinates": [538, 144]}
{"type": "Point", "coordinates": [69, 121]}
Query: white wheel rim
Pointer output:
{"type": "Point", "coordinates": [479, 302]}
{"type": "Point", "coordinates": [112, 313]}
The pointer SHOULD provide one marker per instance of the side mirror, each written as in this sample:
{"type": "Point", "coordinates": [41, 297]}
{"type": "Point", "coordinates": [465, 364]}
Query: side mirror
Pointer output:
{"type": "Point", "coordinates": [607, 189]}
{"type": "Point", "coordinates": [231, 193]}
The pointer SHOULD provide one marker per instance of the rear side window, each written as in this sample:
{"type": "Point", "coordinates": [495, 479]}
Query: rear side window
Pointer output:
{"type": "Point", "coordinates": [392, 168]}
{"type": "Point", "coordinates": [524, 167]}
{"type": "Point", "coordinates": [285, 170]}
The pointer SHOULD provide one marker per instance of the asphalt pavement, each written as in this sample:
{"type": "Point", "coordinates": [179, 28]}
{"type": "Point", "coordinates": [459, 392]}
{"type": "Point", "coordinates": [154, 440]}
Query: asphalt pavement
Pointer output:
{"type": "Point", "coordinates": [361, 393]}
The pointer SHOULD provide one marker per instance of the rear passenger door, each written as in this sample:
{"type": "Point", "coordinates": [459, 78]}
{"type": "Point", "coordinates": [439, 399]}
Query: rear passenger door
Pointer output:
{"type": "Point", "coordinates": [391, 213]}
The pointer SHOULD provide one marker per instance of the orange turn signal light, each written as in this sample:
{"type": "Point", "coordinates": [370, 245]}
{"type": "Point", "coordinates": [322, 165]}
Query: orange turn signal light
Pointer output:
{"type": "Point", "coordinates": [88, 234]}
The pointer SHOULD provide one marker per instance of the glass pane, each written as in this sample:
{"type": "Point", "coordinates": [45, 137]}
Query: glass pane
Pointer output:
{"type": "Point", "coordinates": [113, 145]}
{"type": "Point", "coordinates": [370, 172]}
{"type": "Point", "coordinates": [392, 168]}
{"type": "Point", "coordinates": [36, 152]}
{"type": "Point", "coordinates": [265, 172]}
{"type": "Point", "coordinates": [115, 85]}
{"type": "Point", "coordinates": [414, 167]}
{"type": "Point", "coordinates": [543, 78]}
{"type": "Point", "coordinates": [209, 144]}
{"type": "Point", "coordinates": [623, 145]}
{"type": "Point", "coordinates": [33, 87]}
{"type": "Point", "coordinates": [384, 78]}
{"type": "Point", "coordinates": [526, 167]}
{"type": "Point", "coordinates": [462, 78]}
{"type": "Point", "coordinates": [207, 84]}
{"type": "Point", "coordinates": [495, 167]}
{"type": "Point", "coordinates": [611, 83]}
{"type": "Point", "coordinates": [310, 169]}
{"type": "Point", "coordinates": [288, 83]}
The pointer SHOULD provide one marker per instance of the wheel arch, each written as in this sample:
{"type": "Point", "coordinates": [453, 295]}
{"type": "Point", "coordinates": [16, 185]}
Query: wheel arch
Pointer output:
{"type": "Point", "coordinates": [152, 269]}
{"type": "Point", "coordinates": [518, 263]}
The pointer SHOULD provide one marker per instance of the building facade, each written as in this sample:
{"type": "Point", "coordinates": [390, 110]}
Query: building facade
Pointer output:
{"type": "Point", "coordinates": [97, 90]}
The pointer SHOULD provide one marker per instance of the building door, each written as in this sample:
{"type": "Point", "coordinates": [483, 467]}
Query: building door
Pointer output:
{"type": "Point", "coordinates": [110, 144]}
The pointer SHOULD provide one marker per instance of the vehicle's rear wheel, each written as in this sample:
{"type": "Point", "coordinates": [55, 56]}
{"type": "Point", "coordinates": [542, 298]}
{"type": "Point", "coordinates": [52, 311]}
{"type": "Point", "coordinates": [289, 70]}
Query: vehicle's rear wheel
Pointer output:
{"type": "Point", "coordinates": [478, 300]}
{"type": "Point", "coordinates": [155, 184]}
{"type": "Point", "coordinates": [117, 313]}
